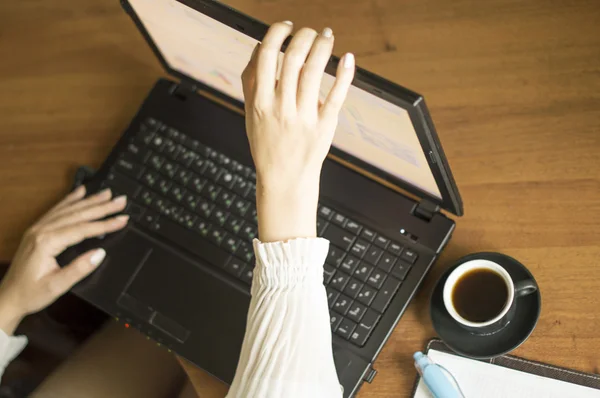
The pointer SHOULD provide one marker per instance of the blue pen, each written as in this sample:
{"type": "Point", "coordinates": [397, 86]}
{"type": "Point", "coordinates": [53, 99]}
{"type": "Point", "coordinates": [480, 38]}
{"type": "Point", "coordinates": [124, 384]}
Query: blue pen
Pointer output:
{"type": "Point", "coordinates": [437, 379]}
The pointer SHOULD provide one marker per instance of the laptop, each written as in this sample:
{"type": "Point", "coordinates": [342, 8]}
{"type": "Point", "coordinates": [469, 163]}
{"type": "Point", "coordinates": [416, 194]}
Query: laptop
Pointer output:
{"type": "Point", "coordinates": [181, 271]}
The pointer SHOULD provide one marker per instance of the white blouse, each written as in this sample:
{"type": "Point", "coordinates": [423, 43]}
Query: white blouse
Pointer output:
{"type": "Point", "coordinates": [287, 348]}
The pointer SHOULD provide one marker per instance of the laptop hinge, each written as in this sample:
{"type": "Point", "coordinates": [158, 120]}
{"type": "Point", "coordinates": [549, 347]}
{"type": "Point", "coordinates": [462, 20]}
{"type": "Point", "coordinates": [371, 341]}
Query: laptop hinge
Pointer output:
{"type": "Point", "coordinates": [183, 89]}
{"type": "Point", "coordinates": [425, 209]}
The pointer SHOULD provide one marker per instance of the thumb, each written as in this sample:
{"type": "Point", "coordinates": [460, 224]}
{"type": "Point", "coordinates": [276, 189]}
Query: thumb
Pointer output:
{"type": "Point", "coordinates": [78, 269]}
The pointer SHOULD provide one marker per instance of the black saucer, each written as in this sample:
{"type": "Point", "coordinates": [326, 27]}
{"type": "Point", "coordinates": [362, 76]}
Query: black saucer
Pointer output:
{"type": "Point", "coordinates": [484, 347]}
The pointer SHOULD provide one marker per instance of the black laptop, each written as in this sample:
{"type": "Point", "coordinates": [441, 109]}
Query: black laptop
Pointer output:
{"type": "Point", "coordinates": [181, 271]}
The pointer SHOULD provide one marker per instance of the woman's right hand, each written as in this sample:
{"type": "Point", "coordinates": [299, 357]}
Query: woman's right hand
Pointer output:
{"type": "Point", "coordinates": [34, 279]}
{"type": "Point", "coordinates": [289, 130]}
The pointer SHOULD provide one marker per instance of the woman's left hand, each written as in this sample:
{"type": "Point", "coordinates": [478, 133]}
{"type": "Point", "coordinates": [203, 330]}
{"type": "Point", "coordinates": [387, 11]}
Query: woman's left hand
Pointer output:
{"type": "Point", "coordinates": [35, 280]}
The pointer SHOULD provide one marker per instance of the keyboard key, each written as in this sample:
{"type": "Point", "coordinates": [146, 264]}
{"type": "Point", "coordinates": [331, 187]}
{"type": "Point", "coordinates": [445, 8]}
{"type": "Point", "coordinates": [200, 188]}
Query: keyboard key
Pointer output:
{"type": "Point", "coordinates": [395, 248]}
{"type": "Point", "coordinates": [177, 193]}
{"type": "Point", "coordinates": [342, 304]}
{"type": "Point", "coordinates": [365, 328]}
{"type": "Point", "coordinates": [193, 144]}
{"type": "Point", "coordinates": [251, 214]}
{"type": "Point", "coordinates": [199, 165]}
{"type": "Point", "coordinates": [163, 186]}
{"type": "Point", "coordinates": [385, 294]}
{"type": "Point", "coordinates": [157, 142]}
{"type": "Point", "coordinates": [339, 237]}
{"type": "Point", "coordinates": [335, 320]}
{"type": "Point", "coordinates": [151, 123]}
{"type": "Point", "coordinates": [328, 271]}
{"type": "Point", "coordinates": [186, 156]}
{"type": "Point", "coordinates": [321, 226]}
{"type": "Point", "coordinates": [249, 232]}
{"type": "Point", "coordinates": [223, 160]}
{"type": "Point", "coordinates": [349, 264]}
{"type": "Point", "coordinates": [156, 161]}
{"type": "Point", "coordinates": [203, 228]}
{"type": "Point", "coordinates": [135, 211]}
{"type": "Point", "coordinates": [400, 270]}
{"type": "Point", "coordinates": [376, 278]}
{"type": "Point", "coordinates": [146, 197]}
{"type": "Point", "coordinates": [373, 255]}
{"type": "Point", "coordinates": [183, 176]}
{"type": "Point", "coordinates": [189, 241]}
{"type": "Point", "coordinates": [363, 271]}
{"type": "Point", "coordinates": [386, 262]}
{"type": "Point", "coordinates": [325, 212]}
{"type": "Point", "coordinates": [219, 217]}
{"type": "Point", "coordinates": [332, 296]}
{"type": "Point", "coordinates": [366, 295]}
{"type": "Point", "coordinates": [241, 186]}
{"type": "Point", "coordinates": [241, 169]}
{"type": "Point", "coordinates": [360, 248]}
{"type": "Point", "coordinates": [339, 281]}
{"type": "Point", "coordinates": [127, 165]}
{"type": "Point", "coordinates": [225, 199]}
{"type": "Point", "coordinates": [169, 169]}
{"type": "Point", "coordinates": [149, 218]}
{"type": "Point", "coordinates": [381, 241]}
{"type": "Point", "coordinates": [346, 328]}
{"type": "Point", "coordinates": [251, 195]}
{"type": "Point", "coordinates": [410, 256]}
{"type": "Point", "coordinates": [213, 171]}
{"type": "Point", "coordinates": [211, 191]}
{"type": "Point", "coordinates": [240, 206]}
{"type": "Point", "coordinates": [231, 244]}
{"type": "Point", "coordinates": [175, 135]}
{"type": "Point", "coordinates": [150, 178]}
{"type": "Point", "coordinates": [245, 252]}
{"type": "Point", "coordinates": [252, 176]}
{"type": "Point", "coordinates": [186, 219]}
{"type": "Point", "coordinates": [353, 288]}
{"type": "Point", "coordinates": [123, 185]}
{"type": "Point", "coordinates": [216, 235]}
{"type": "Point", "coordinates": [145, 134]}
{"type": "Point", "coordinates": [170, 149]}
{"type": "Point", "coordinates": [335, 256]}
{"type": "Point", "coordinates": [234, 224]}
{"type": "Point", "coordinates": [247, 276]}
{"type": "Point", "coordinates": [174, 211]}
{"type": "Point", "coordinates": [162, 206]}
{"type": "Point", "coordinates": [368, 235]}
{"type": "Point", "coordinates": [191, 201]}
{"type": "Point", "coordinates": [227, 179]}
{"type": "Point", "coordinates": [197, 184]}
{"type": "Point", "coordinates": [235, 267]}
{"type": "Point", "coordinates": [340, 220]}
{"type": "Point", "coordinates": [138, 150]}
{"type": "Point", "coordinates": [204, 208]}
{"type": "Point", "coordinates": [356, 311]}
{"type": "Point", "coordinates": [353, 226]}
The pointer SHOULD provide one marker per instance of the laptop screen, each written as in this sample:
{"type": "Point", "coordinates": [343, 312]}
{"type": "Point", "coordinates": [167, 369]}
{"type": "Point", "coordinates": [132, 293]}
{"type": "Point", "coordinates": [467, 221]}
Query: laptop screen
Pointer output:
{"type": "Point", "coordinates": [371, 129]}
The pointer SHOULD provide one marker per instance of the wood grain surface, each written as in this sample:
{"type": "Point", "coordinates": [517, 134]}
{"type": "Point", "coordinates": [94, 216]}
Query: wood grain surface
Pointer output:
{"type": "Point", "coordinates": [513, 87]}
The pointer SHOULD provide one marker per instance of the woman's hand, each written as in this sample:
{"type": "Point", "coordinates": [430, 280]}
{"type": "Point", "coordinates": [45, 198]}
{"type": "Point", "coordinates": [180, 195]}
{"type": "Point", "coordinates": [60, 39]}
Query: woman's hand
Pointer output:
{"type": "Point", "coordinates": [289, 130]}
{"type": "Point", "coordinates": [35, 280]}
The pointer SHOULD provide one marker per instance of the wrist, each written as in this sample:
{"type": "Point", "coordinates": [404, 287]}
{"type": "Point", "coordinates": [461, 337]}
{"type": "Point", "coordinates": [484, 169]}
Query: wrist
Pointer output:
{"type": "Point", "coordinates": [10, 313]}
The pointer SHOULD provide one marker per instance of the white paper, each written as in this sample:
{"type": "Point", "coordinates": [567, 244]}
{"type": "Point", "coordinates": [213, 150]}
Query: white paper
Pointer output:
{"type": "Point", "coordinates": [479, 379]}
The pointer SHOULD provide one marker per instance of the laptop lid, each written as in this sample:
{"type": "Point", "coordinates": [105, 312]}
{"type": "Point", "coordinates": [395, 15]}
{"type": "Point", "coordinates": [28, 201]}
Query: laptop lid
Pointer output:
{"type": "Point", "coordinates": [384, 129]}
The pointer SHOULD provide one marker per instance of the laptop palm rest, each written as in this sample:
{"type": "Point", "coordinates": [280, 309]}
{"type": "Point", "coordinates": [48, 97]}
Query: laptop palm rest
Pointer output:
{"type": "Point", "coordinates": [176, 296]}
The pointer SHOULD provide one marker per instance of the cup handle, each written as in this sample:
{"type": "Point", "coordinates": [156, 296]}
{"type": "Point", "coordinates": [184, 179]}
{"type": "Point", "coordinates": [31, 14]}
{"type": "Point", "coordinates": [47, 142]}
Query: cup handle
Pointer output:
{"type": "Point", "coordinates": [524, 288]}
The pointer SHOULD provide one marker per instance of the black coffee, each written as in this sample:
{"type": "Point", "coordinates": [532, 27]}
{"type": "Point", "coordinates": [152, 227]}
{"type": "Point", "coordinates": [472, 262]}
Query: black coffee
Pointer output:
{"type": "Point", "coordinates": [480, 295]}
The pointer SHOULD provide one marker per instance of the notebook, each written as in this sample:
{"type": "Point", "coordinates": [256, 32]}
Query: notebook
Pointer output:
{"type": "Point", "coordinates": [509, 376]}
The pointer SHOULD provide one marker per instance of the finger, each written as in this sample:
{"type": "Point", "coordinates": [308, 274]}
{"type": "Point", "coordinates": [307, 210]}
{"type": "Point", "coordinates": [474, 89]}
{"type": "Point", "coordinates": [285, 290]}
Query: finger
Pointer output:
{"type": "Point", "coordinates": [267, 58]}
{"type": "Point", "coordinates": [75, 195]}
{"type": "Point", "coordinates": [312, 73]}
{"type": "Point", "coordinates": [65, 278]}
{"type": "Point", "coordinates": [92, 200]}
{"type": "Point", "coordinates": [336, 97]}
{"type": "Point", "coordinates": [249, 76]}
{"type": "Point", "coordinates": [57, 241]}
{"type": "Point", "coordinates": [293, 61]}
{"type": "Point", "coordinates": [90, 213]}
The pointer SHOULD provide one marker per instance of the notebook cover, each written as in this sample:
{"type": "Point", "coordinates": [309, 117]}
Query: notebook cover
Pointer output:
{"type": "Point", "coordinates": [525, 365]}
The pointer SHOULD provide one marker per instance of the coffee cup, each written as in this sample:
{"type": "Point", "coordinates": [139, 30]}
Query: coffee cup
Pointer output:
{"type": "Point", "coordinates": [482, 296]}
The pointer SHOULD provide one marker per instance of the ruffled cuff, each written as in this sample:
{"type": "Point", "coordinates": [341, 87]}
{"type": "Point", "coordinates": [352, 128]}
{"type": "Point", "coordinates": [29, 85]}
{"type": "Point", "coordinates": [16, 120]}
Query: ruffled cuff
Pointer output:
{"type": "Point", "coordinates": [285, 264]}
{"type": "Point", "coordinates": [10, 348]}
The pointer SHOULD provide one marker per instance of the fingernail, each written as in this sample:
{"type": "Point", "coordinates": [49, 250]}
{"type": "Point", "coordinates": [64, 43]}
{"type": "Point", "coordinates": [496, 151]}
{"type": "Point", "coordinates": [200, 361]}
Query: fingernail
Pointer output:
{"type": "Point", "coordinates": [327, 32]}
{"type": "Point", "coordinates": [288, 23]}
{"type": "Point", "coordinates": [123, 218]}
{"type": "Point", "coordinates": [348, 60]}
{"type": "Point", "coordinates": [98, 256]}
{"type": "Point", "coordinates": [120, 199]}
{"type": "Point", "coordinates": [105, 191]}
{"type": "Point", "coordinates": [79, 190]}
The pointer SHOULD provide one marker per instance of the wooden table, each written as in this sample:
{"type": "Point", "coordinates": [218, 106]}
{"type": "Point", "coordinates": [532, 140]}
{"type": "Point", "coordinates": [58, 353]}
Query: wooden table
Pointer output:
{"type": "Point", "coordinates": [513, 87]}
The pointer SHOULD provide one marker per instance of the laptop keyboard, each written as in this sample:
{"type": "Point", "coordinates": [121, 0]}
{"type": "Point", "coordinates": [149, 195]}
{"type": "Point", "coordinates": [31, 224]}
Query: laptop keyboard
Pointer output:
{"type": "Point", "coordinates": [182, 190]}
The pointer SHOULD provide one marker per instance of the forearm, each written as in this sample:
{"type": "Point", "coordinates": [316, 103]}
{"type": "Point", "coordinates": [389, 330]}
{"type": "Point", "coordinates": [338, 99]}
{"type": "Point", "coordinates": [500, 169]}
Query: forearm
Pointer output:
{"type": "Point", "coordinates": [10, 316]}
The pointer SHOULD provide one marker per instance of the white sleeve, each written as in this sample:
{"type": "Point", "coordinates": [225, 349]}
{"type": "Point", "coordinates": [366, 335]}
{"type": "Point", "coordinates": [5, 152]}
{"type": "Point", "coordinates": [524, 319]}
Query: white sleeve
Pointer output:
{"type": "Point", "coordinates": [10, 347]}
{"type": "Point", "coordinates": [287, 348]}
